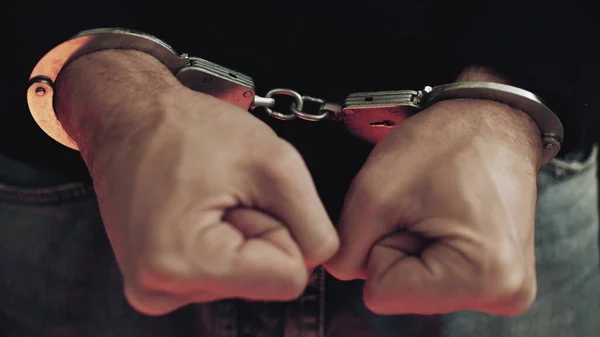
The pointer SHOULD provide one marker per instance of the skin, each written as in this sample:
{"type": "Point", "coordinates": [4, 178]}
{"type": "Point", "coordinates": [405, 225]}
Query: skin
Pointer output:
{"type": "Point", "coordinates": [441, 216]}
{"type": "Point", "coordinates": [201, 201]}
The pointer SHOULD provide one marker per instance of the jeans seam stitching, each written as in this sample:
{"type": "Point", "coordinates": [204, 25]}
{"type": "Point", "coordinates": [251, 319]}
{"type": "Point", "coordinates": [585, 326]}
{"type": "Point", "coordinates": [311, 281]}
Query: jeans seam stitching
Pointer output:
{"type": "Point", "coordinates": [47, 195]}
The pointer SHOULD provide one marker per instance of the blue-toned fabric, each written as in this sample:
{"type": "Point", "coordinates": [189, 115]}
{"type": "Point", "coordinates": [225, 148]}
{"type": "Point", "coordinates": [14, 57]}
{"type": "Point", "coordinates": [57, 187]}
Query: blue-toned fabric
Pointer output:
{"type": "Point", "coordinates": [58, 277]}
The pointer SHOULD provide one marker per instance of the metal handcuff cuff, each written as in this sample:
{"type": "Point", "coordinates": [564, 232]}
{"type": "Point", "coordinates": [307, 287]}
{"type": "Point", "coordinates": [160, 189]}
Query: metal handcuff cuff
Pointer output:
{"type": "Point", "coordinates": [368, 115]}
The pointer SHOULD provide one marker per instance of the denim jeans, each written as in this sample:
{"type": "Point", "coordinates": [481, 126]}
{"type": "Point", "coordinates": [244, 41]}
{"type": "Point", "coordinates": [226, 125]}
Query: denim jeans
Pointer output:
{"type": "Point", "coordinates": [58, 276]}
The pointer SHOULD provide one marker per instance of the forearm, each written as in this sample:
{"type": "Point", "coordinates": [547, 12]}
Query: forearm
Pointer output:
{"type": "Point", "coordinates": [510, 124]}
{"type": "Point", "coordinates": [105, 96]}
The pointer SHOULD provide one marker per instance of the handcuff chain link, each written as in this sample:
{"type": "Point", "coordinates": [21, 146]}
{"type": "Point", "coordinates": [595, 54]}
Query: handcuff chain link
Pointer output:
{"type": "Point", "coordinates": [327, 110]}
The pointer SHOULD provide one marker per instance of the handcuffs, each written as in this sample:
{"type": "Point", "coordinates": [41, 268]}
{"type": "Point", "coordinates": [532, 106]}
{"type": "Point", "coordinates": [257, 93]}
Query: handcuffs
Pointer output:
{"type": "Point", "coordinates": [368, 115]}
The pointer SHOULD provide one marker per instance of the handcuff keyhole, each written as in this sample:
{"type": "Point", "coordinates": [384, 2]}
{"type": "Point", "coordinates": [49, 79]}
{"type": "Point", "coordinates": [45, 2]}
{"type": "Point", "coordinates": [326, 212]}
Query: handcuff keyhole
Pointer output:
{"type": "Point", "coordinates": [369, 99]}
{"type": "Point", "coordinates": [233, 75]}
{"type": "Point", "coordinates": [386, 123]}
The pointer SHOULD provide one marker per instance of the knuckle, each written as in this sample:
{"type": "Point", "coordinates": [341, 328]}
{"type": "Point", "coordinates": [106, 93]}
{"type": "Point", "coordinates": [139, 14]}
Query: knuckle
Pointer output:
{"type": "Point", "coordinates": [149, 303]}
{"type": "Point", "coordinates": [326, 249]}
{"type": "Point", "coordinates": [138, 301]}
{"type": "Point", "coordinates": [342, 273]}
{"type": "Point", "coordinates": [523, 300]}
{"type": "Point", "coordinates": [330, 246]}
{"type": "Point", "coordinates": [374, 306]}
{"type": "Point", "coordinates": [373, 299]}
{"type": "Point", "coordinates": [509, 273]}
{"type": "Point", "coordinates": [297, 285]}
{"type": "Point", "coordinates": [158, 272]}
{"type": "Point", "coordinates": [346, 269]}
{"type": "Point", "coordinates": [508, 280]}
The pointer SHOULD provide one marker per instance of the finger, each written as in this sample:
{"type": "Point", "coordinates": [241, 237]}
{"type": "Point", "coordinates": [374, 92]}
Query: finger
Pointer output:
{"type": "Point", "coordinates": [249, 255]}
{"type": "Point", "coordinates": [443, 278]}
{"type": "Point", "coordinates": [404, 242]}
{"type": "Point", "coordinates": [361, 224]}
{"type": "Point", "coordinates": [160, 303]}
{"type": "Point", "coordinates": [402, 283]}
{"type": "Point", "coordinates": [254, 224]}
{"type": "Point", "coordinates": [292, 198]}
{"type": "Point", "coordinates": [269, 265]}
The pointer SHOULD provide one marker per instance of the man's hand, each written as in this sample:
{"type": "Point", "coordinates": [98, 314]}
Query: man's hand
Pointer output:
{"type": "Point", "coordinates": [441, 217]}
{"type": "Point", "coordinates": [201, 200]}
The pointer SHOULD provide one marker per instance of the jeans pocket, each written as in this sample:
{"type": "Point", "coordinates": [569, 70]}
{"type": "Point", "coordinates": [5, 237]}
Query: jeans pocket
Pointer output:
{"type": "Point", "coordinates": [58, 274]}
{"type": "Point", "coordinates": [54, 254]}
{"type": "Point", "coordinates": [24, 184]}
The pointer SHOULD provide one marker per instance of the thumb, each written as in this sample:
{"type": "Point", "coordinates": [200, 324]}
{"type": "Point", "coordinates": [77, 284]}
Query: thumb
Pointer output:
{"type": "Point", "coordinates": [404, 275]}
{"type": "Point", "coordinates": [407, 274]}
{"type": "Point", "coordinates": [284, 189]}
{"type": "Point", "coordinates": [364, 221]}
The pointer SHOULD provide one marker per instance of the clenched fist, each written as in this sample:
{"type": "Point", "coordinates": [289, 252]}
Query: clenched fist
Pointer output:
{"type": "Point", "coordinates": [201, 201]}
{"type": "Point", "coordinates": [441, 216]}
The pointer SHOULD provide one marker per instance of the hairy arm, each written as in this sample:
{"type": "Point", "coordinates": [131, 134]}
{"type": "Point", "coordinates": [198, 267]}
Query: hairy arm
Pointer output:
{"type": "Point", "coordinates": [548, 48]}
{"type": "Point", "coordinates": [512, 124]}
{"type": "Point", "coordinates": [107, 99]}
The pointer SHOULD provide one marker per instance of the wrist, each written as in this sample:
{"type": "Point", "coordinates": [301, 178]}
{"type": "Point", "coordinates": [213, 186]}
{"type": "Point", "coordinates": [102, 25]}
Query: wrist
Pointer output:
{"type": "Point", "coordinates": [508, 124]}
{"type": "Point", "coordinates": [103, 96]}
{"type": "Point", "coordinates": [496, 126]}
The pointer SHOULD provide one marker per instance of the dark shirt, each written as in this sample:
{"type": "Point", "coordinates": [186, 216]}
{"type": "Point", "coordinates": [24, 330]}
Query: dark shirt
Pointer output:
{"type": "Point", "coordinates": [325, 49]}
